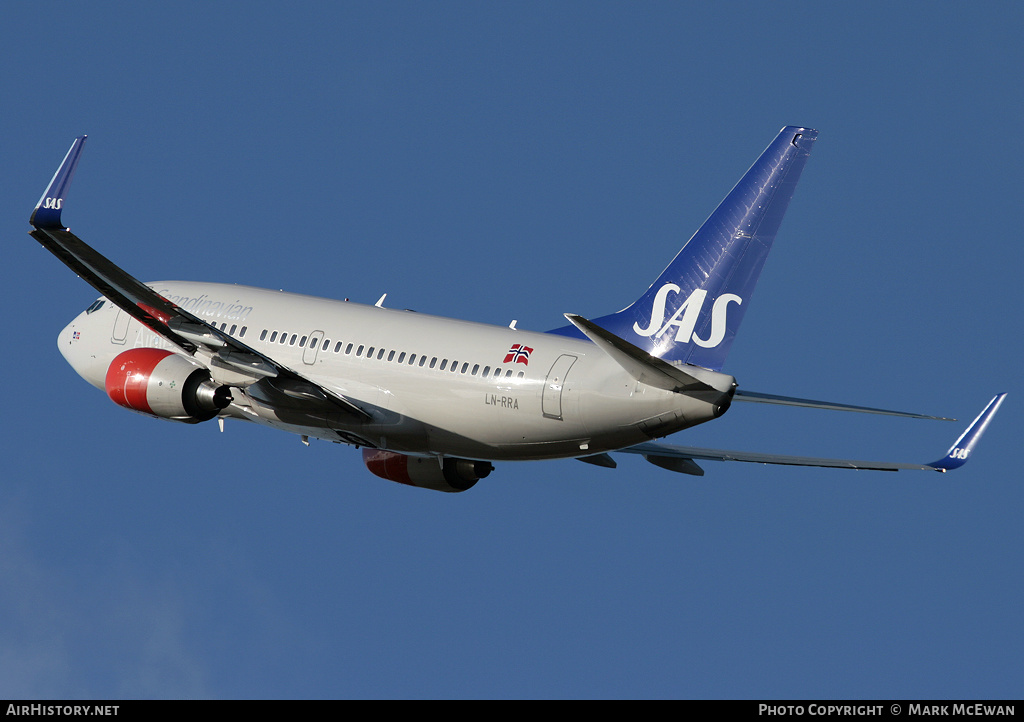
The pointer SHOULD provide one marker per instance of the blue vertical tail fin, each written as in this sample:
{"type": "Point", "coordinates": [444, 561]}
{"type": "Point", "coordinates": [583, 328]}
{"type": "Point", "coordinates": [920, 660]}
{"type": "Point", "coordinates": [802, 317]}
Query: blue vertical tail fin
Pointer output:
{"type": "Point", "coordinates": [691, 313]}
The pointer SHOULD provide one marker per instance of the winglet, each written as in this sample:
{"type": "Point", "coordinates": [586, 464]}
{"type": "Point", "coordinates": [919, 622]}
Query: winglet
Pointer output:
{"type": "Point", "coordinates": [47, 210]}
{"type": "Point", "coordinates": [960, 451]}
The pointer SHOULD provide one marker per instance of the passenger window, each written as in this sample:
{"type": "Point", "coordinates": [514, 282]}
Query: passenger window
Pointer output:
{"type": "Point", "coordinates": [380, 354]}
{"type": "Point", "coordinates": [391, 356]}
{"type": "Point", "coordinates": [337, 347]}
{"type": "Point", "coordinates": [327, 343]}
{"type": "Point", "coordinates": [508, 373]}
{"type": "Point", "coordinates": [497, 373]}
{"type": "Point", "coordinates": [433, 362]}
{"type": "Point", "coordinates": [487, 370]}
{"type": "Point", "coordinates": [520, 374]}
{"type": "Point", "coordinates": [359, 351]}
{"type": "Point", "coordinates": [232, 331]}
{"type": "Point", "coordinates": [294, 336]}
{"type": "Point", "coordinates": [476, 367]}
{"type": "Point", "coordinates": [423, 360]}
{"type": "Point", "coordinates": [465, 366]}
{"type": "Point", "coordinates": [242, 332]}
{"type": "Point", "coordinates": [444, 362]}
{"type": "Point", "coordinates": [412, 359]}
{"type": "Point", "coordinates": [302, 343]}
{"type": "Point", "coordinates": [348, 349]}
{"type": "Point", "coordinates": [263, 336]}
{"type": "Point", "coordinates": [401, 357]}
{"type": "Point", "coordinates": [273, 337]}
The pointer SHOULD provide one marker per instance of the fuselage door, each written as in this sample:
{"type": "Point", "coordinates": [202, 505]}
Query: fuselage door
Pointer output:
{"type": "Point", "coordinates": [551, 400]}
{"type": "Point", "coordinates": [120, 332]}
{"type": "Point", "coordinates": [312, 347]}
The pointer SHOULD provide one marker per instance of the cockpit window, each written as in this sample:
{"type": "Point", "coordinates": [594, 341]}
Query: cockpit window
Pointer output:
{"type": "Point", "coordinates": [96, 305]}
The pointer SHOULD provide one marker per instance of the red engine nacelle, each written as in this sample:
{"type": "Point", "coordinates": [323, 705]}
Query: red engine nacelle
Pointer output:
{"type": "Point", "coordinates": [450, 475]}
{"type": "Point", "coordinates": [164, 384]}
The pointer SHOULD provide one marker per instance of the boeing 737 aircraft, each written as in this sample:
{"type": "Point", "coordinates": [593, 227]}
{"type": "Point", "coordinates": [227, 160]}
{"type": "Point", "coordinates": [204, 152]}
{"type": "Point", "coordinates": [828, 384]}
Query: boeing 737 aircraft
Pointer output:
{"type": "Point", "coordinates": [433, 401]}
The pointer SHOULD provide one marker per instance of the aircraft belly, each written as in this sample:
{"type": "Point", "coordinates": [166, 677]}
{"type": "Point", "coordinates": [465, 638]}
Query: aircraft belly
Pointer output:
{"type": "Point", "coordinates": [626, 412]}
{"type": "Point", "coordinates": [517, 418]}
{"type": "Point", "coordinates": [484, 421]}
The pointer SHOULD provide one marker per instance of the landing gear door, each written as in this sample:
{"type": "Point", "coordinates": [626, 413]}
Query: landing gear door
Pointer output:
{"type": "Point", "coordinates": [551, 400]}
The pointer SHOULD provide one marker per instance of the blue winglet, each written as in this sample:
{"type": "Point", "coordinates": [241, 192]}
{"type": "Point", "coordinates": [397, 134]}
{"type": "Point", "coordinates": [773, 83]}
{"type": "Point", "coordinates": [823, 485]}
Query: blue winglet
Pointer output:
{"type": "Point", "coordinates": [47, 211]}
{"type": "Point", "coordinates": [960, 451]}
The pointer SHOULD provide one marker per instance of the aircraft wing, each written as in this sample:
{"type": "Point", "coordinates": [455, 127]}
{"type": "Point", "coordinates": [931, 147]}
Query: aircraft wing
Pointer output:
{"type": "Point", "coordinates": [164, 317]}
{"type": "Point", "coordinates": [683, 458]}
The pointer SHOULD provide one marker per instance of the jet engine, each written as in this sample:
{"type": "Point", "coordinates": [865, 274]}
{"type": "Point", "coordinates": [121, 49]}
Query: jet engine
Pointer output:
{"type": "Point", "coordinates": [450, 474]}
{"type": "Point", "coordinates": [164, 384]}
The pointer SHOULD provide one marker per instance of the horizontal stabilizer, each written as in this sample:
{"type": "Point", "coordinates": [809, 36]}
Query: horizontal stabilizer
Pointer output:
{"type": "Point", "coordinates": [649, 369]}
{"type": "Point", "coordinates": [753, 396]}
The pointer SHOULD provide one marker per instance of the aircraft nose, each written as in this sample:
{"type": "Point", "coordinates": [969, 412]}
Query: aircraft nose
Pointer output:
{"type": "Point", "coordinates": [64, 341]}
{"type": "Point", "coordinates": [73, 346]}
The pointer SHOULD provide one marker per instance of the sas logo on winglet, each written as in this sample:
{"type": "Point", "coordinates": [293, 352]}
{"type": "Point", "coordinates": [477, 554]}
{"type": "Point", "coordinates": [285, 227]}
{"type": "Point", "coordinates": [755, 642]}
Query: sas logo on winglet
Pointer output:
{"type": "Point", "coordinates": [685, 317]}
{"type": "Point", "coordinates": [53, 203]}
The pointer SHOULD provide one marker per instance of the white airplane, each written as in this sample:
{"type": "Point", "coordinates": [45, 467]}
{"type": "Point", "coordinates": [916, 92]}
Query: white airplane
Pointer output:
{"type": "Point", "coordinates": [433, 401]}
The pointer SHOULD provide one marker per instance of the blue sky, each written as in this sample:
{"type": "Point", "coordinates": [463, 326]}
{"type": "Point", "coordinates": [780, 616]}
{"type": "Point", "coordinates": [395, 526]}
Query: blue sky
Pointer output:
{"type": "Point", "coordinates": [494, 161]}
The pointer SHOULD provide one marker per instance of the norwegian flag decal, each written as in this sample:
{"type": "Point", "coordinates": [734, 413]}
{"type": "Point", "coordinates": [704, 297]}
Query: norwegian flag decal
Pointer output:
{"type": "Point", "coordinates": [519, 354]}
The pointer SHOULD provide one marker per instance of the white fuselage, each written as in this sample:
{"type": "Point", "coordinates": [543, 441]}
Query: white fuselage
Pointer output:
{"type": "Point", "coordinates": [432, 385]}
